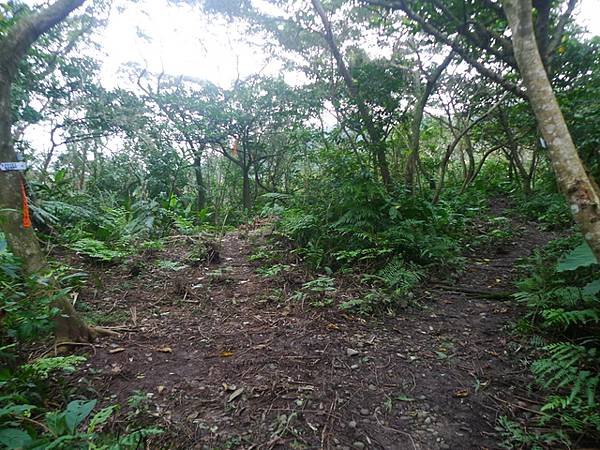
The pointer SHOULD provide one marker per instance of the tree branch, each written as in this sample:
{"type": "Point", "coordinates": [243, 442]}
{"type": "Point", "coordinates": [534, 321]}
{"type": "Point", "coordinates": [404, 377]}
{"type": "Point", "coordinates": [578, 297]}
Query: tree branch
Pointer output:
{"type": "Point", "coordinates": [22, 35]}
{"type": "Point", "coordinates": [445, 39]}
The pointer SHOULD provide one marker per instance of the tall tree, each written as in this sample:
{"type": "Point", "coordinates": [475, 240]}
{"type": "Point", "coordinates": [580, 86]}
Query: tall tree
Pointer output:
{"type": "Point", "coordinates": [466, 28]}
{"type": "Point", "coordinates": [376, 137]}
{"type": "Point", "coordinates": [418, 112]}
{"type": "Point", "coordinates": [14, 45]}
{"type": "Point", "coordinates": [580, 189]}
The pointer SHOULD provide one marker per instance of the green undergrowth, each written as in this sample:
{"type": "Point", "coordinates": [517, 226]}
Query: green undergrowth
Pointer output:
{"type": "Point", "coordinates": [549, 209]}
{"type": "Point", "coordinates": [106, 228]}
{"type": "Point", "coordinates": [346, 223]}
{"type": "Point", "coordinates": [562, 295]}
{"type": "Point", "coordinates": [38, 409]}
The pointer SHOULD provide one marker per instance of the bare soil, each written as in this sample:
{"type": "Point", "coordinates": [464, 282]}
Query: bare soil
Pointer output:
{"type": "Point", "coordinates": [230, 363]}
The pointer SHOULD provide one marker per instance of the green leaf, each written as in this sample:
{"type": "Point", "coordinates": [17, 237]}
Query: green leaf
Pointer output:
{"type": "Point", "coordinates": [581, 256]}
{"type": "Point", "coordinates": [13, 438]}
{"type": "Point", "coordinates": [592, 288]}
{"type": "Point", "coordinates": [404, 398]}
{"type": "Point", "coordinates": [100, 417]}
{"type": "Point", "coordinates": [18, 410]}
{"type": "Point", "coordinates": [58, 442]}
{"type": "Point", "coordinates": [76, 412]}
{"type": "Point", "coordinates": [55, 421]}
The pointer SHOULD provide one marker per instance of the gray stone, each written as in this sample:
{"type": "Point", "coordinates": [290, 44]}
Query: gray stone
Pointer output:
{"type": "Point", "coordinates": [351, 352]}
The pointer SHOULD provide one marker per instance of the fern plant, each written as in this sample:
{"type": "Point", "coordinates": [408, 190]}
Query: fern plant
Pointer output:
{"type": "Point", "coordinates": [562, 295]}
{"type": "Point", "coordinates": [571, 371]}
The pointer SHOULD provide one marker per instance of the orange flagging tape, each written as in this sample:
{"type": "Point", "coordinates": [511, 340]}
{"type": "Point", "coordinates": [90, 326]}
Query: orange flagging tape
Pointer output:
{"type": "Point", "coordinates": [25, 206]}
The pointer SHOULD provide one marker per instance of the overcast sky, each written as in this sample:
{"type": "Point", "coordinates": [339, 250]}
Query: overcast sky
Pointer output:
{"type": "Point", "coordinates": [181, 41]}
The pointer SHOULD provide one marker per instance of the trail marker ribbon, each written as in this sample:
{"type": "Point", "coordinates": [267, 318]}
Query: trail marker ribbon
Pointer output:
{"type": "Point", "coordinates": [19, 166]}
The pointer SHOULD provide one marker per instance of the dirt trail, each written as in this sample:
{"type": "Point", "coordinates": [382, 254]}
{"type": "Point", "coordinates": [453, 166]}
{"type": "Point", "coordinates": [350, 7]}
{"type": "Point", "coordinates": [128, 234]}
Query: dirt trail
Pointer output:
{"type": "Point", "coordinates": [229, 367]}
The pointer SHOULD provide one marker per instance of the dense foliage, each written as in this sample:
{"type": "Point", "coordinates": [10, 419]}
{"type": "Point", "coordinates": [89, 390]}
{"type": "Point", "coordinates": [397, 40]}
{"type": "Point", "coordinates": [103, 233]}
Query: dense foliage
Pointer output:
{"type": "Point", "coordinates": [378, 163]}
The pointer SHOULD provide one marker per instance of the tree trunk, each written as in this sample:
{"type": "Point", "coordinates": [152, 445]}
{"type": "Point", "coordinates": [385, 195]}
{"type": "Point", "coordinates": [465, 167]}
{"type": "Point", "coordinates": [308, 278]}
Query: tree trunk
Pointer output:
{"type": "Point", "coordinates": [580, 190]}
{"type": "Point", "coordinates": [450, 149]}
{"type": "Point", "coordinates": [201, 196]}
{"type": "Point", "coordinates": [514, 156]}
{"type": "Point", "coordinates": [21, 240]}
{"type": "Point", "coordinates": [470, 164]}
{"type": "Point", "coordinates": [412, 161]}
{"type": "Point", "coordinates": [246, 194]}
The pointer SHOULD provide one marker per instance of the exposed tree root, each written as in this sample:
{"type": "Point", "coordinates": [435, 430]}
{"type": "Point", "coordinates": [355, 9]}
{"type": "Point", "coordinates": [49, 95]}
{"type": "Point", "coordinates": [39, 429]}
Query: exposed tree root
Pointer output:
{"type": "Point", "coordinates": [70, 329]}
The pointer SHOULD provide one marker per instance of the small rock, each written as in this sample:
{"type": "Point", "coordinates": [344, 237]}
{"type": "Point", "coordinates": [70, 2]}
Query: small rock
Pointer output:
{"type": "Point", "coordinates": [372, 387]}
{"type": "Point", "coordinates": [427, 420]}
{"type": "Point", "coordinates": [364, 412]}
{"type": "Point", "coordinates": [354, 366]}
{"type": "Point", "coordinates": [358, 444]}
{"type": "Point", "coordinates": [444, 446]}
{"type": "Point", "coordinates": [352, 352]}
{"type": "Point", "coordinates": [352, 424]}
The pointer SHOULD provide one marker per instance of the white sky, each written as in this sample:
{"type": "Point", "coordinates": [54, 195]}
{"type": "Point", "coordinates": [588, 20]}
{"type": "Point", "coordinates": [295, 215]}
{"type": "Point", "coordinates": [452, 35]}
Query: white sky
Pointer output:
{"type": "Point", "coordinates": [184, 42]}
{"type": "Point", "coordinates": [181, 41]}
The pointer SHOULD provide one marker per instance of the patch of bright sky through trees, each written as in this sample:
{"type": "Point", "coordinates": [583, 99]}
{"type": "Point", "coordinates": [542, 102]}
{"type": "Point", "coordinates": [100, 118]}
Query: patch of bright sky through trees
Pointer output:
{"type": "Point", "coordinates": [180, 40]}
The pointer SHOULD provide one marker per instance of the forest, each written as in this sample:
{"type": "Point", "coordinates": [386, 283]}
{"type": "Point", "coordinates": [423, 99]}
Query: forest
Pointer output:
{"type": "Point", "coordinates": [382, 232]}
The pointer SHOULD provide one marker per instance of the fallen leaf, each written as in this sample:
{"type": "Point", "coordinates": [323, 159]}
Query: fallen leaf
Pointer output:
{"type": "Point", "coordinates": [235, 394]}
{"type": "Point", "coordinates": [160, 389]}
{"type": "Point", "coordinates": [461, 393]}
{"type": "Point", "coordinates": [332, 326]}
{"type": "Point", "coordinates": [404, 398]}
{"type": "Point", "coordinates": [165, 350]}
{"type": "Point", "coordinates": [226, 354]}
{"type": "Point", "coordinates": [441, 355]}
